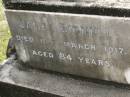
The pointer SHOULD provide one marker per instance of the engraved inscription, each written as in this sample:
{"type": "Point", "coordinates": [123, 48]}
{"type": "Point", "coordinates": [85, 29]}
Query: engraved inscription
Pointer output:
{"type": "Point", "coordinates": [43, 54]}
{"type": "Point", "coordinates": [68, 57]}
{"type": "Point", "coordinates": [75, 28]}
{"type": "Point", "coordinates": [24, 38]}
{"type": "Point", "coordinates": [96, 62]}
{"type": "Point", "coordinates": [86, 46]}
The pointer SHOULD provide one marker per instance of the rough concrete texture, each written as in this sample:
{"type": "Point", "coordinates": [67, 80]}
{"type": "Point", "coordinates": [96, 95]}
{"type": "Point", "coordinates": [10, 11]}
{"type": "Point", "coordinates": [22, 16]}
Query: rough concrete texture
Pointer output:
{"type": "Point", "coordinates": [123, 4]}
{"type": "Point", "coordinates": [54, 83]}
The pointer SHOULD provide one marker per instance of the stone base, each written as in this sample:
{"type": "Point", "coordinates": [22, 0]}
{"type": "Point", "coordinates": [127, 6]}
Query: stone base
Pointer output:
{"type": "Point", "coordinates": [18, 81]}
{"type": "Point", "coordinates": [9, 90]}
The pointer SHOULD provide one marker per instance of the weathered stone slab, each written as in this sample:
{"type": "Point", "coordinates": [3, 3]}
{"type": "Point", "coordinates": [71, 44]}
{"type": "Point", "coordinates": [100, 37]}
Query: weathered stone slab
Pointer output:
{"type": "Point", "coordinates": [15, 90]}
{"type": "Point", "coordinates": [85, 45]}
{"type": "Point", "coordinates": [123, 4]}
{"type": "Point", "coordinates": [17, 81]}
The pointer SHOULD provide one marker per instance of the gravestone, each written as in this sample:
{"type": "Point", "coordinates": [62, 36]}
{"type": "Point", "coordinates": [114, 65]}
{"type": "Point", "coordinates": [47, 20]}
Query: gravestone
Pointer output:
{"type": "Point", "coordinates": [84, 38]}
{"type": "Point", "coordinates": [67, 48]}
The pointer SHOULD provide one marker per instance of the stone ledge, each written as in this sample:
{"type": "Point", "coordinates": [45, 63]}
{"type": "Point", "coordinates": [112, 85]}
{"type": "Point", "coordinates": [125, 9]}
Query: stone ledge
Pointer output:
{"type": "Point", "coordinates": [123, 4]}
{"type": "Point", "coordinates": [54, 83]}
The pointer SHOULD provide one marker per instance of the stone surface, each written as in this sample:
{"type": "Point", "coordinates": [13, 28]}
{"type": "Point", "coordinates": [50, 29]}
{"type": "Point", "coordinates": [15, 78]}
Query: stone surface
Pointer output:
{"type": "Point", "coordinates": [84, 45]}
{"type": "Point", "coordinates": [14, 90]}
{"type": "Point", "coordinates": [122, 4]}
{"type": "Point", "coordinates": [18, 81]}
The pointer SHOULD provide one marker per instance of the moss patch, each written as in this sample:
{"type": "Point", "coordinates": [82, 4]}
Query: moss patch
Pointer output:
{"type": "Point", "coordinates": [4, 33]}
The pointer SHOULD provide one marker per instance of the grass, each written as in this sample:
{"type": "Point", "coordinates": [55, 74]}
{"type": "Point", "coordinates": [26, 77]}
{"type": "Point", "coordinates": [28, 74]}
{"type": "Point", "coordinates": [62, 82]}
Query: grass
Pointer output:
{"type": "Point", "coordinates": [4, 33]}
